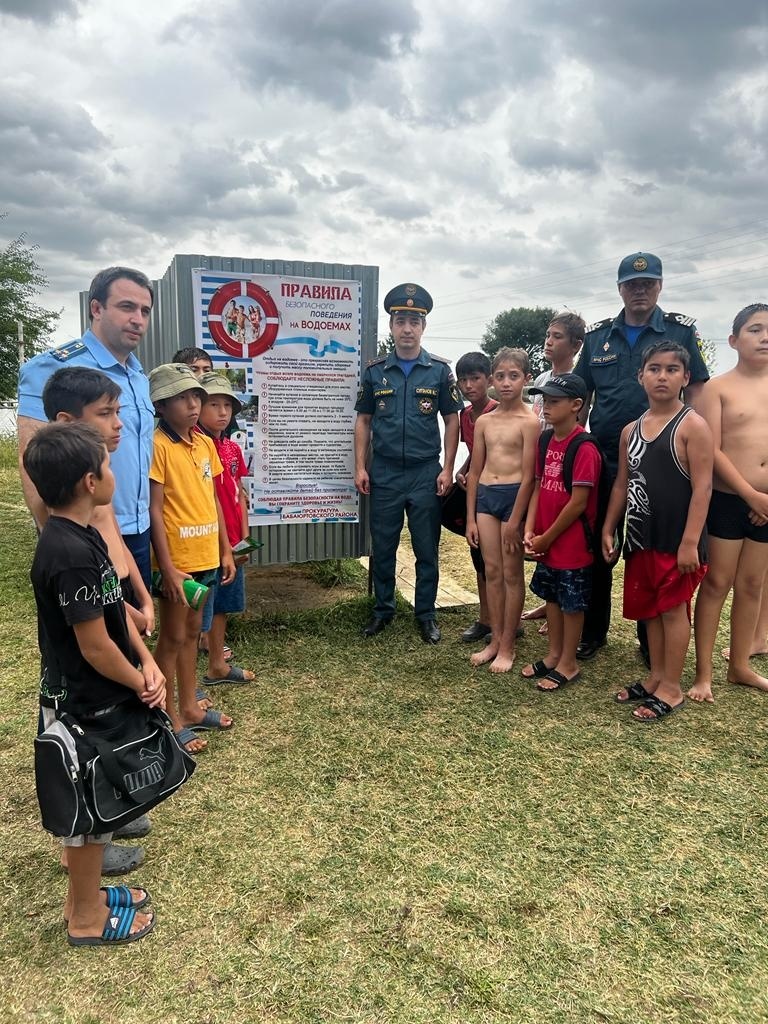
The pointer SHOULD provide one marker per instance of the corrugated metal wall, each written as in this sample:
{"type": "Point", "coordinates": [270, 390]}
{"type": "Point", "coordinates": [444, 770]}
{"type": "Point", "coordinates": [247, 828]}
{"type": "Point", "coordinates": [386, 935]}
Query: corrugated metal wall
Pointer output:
{"type": "Point", "coordinates": [173, 327]}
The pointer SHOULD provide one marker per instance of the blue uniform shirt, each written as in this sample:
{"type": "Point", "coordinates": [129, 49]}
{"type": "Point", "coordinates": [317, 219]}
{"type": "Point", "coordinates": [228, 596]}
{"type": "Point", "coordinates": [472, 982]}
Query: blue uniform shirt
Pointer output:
{"type": "Point", "coordinates": [609, 365]}
{"type": "Point", "coordinates": [404, 409]}
{"type": "Point", "coordinates": [130, 462]}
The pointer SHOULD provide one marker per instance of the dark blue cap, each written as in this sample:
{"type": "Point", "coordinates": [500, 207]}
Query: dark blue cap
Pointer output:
{"type": "Point", "coordinates": [640, 264]}
{"type": "Point", "coordinates": [562, 385]}
{"type": "Point", "coordinates": [408, 298]}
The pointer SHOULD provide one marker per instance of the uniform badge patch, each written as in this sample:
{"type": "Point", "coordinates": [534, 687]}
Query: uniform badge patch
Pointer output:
{"type": "Point", "coordinates": [360, 393]}
{"type": "Point", "coordinates": [382, 404]}
{"type": "Point", "coordinates": [67, 351]}
{"type": "Point", "coordinates": [454, 392]}
{"type": "Point", "coordinates": [410, 289]}
{"type": "Point", "coordinates": [426, 406]}
{"type": "Point", "coordinates": [606, 346]}
{"type": "Point", "coordinates": [641, 263]}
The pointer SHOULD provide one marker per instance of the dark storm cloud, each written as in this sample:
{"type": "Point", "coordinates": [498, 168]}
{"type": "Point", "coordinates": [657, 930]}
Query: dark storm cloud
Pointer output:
{"type": "Point", "coordinates": [539, 154]}
{"type": "Point", "coordinates": [658, 38]}
{"type": "Point", "coordinates": [39, 10]}
{"type": "Point", "coordinates": [330, 52]}
{"type": "Point", "coordinates": [474, 64]}
{"type": "Point", "coordinates": [39, 135]}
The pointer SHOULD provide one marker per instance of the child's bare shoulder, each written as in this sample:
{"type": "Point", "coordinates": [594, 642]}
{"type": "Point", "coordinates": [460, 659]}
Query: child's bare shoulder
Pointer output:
{"type": "Point", "coordinates": [695, 427]}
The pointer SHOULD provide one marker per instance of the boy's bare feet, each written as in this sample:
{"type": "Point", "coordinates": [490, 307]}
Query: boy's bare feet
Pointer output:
{"type": "Point", "coordinates": [701, 691]}
{"type": "Point", "coordinates": [487, 654]}
{"type": "Point", "coordinates": [749, 679]}
{"type": "Point", "coordinates": [502, 662]}
{"type": "Point", "coordinates": [540, 612]}
{"type": "Point", "coordinates": [758, 650]}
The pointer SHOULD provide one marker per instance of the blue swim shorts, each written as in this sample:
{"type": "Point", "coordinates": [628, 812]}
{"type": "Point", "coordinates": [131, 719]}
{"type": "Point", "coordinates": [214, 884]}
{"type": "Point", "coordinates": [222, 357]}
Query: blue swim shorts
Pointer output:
{"type": "Point", "coordinates": [497, 500]}
{"type": "Point", "coordinates": [569, 589]}
{"type": "Point", "coordinates": [227, 600]}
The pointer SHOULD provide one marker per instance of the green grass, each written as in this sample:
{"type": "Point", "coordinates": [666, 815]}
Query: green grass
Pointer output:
{"type": "Point", "coordinates": [390, 836]}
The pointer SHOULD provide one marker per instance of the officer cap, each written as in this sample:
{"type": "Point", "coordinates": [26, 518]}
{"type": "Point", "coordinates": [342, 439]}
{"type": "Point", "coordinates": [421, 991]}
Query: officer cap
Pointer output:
{"type": "Point", "coordinates": [408, 298]}
{"type": "Point", "coordinates": [640, 264]}
{"type": "Point", "coordinates": [563, 385]}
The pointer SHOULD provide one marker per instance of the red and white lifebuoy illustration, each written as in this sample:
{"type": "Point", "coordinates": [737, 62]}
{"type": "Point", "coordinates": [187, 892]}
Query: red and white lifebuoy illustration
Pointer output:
{"type": "Point", "coordinates": [232, 344]}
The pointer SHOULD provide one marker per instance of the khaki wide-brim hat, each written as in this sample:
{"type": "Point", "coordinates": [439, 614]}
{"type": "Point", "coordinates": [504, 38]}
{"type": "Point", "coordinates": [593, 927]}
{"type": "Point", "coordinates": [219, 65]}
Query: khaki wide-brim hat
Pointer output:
{"type": "Point", "coordinates": [219, 384]}
{"type": "Point", "coordinates": [172, 379]}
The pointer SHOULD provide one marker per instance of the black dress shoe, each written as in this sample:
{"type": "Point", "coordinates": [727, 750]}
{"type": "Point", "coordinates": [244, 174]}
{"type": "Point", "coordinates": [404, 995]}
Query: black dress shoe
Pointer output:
{"type": "Point", "coordinates": [587, 649]}
{"type": "Point", "coordinates": [430, 632]}
{"type": "Point", "coordinates": [376, 625]}
{"type": "Point", "coordinates": [477, 631]}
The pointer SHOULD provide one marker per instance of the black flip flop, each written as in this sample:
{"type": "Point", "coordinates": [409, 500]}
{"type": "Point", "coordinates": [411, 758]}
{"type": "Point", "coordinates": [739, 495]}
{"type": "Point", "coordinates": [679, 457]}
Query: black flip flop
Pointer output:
{"type": "Point", "coordinates": [557, 677]}
{"type": "Point", "coordinates": [635, 691]}
{"type": "Point", "coordinates": [659, 707]}
{"type": "Point", "coordinates": [539, 670]}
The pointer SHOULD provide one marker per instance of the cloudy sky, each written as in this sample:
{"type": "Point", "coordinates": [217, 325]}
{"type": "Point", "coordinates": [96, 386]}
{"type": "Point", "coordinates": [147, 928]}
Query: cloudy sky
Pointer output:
{"type": "Point", "coordinates": [501, 154]}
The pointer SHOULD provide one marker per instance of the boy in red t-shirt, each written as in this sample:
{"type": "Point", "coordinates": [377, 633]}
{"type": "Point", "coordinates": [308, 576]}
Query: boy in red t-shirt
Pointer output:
{"type": "Point", "coordinates": [225, 599]}
{"type": "Point", "coordinates": [555, 534]}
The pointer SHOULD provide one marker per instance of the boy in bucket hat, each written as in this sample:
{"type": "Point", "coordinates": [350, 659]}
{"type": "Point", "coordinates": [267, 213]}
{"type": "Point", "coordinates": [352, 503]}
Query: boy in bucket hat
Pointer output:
{"type": "Point", "coordinates": [555, 533]}
{"type": "Point", "coordinates": [219, 406]}
{"type": "Point", "coordinates": [189, 540]}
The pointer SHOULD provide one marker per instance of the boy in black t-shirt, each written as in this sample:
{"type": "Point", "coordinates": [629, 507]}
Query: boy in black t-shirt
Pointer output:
{"type": "Point", "coordinates": [93, 655]}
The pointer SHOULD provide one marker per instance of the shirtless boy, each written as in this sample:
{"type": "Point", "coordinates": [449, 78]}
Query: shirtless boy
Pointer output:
{"type": "Point", "coordinates": [499, 486]}
{"type": "Point", "coordinates": [735, 404]}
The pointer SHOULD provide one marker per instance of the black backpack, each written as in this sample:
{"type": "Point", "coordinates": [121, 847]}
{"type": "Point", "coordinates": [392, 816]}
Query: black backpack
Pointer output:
{"type": "Point", "coordinates": [603, 483]}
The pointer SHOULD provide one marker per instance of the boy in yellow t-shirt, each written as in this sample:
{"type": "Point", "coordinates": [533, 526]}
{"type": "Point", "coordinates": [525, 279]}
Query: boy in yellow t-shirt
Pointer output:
{"type": "Point", "coordinates": [189, 540]}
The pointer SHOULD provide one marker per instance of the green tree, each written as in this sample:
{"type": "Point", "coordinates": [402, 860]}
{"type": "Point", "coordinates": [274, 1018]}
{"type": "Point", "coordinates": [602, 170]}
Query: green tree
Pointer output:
{"type": "Point", "coordinates": [521, 327]}
{"type": "Point", "coordinates": [386, 345]}
{"type": "Point", "coordinates": [21, 279]}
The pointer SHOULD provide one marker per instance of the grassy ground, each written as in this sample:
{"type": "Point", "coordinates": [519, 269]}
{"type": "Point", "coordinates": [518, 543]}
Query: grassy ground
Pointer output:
{"type": "Point", "coordinates": [389, 836]}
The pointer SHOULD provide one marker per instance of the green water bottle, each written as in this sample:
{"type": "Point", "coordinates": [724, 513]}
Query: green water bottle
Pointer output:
{"type": "Point", "coordinates": [194, 592]}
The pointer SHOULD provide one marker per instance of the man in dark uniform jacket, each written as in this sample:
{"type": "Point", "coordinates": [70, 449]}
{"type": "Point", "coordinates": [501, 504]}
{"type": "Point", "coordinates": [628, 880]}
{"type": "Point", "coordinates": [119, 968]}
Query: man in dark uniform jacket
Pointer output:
{"type": "Point", "coordinates": [398, 404]}
{"type": "Point", "coordinates": [609, 363]}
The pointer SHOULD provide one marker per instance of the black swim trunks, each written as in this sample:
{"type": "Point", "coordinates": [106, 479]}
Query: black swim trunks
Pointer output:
{"type": "Point", "coordinates": [728, 519]}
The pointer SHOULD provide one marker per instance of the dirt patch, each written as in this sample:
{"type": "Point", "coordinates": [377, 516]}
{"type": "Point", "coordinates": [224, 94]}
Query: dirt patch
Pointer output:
{"type": "Point", "coordinates": [277, 589]}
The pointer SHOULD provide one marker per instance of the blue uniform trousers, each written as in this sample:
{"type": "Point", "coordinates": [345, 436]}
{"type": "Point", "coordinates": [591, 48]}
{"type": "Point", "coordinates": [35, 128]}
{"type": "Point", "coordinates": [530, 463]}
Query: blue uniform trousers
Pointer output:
{"type": "Point", "coordinates": [411, 490]}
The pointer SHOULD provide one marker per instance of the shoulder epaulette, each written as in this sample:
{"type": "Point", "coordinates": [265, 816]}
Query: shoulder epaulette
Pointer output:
{"type": "Point", "coordinates": [379, 359]}
{"type": "Point", "coordinates": [599, 325]}
{"type": "Point", "coordinates": [680, 318]}
{"type": "Point", "coordinates": [67, 351]}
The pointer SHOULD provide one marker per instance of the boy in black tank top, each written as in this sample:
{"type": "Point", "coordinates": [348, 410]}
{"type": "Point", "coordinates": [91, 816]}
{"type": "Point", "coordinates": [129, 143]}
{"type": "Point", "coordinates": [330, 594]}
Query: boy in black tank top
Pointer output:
{"type": "Point", "coordinates": [665, 483]}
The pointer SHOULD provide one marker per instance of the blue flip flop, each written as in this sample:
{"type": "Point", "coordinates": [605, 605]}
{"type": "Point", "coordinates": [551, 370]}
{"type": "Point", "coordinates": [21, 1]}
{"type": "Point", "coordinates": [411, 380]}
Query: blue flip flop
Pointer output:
{"type": "Point", "coordinates": [117, 930]}
{"type": "Point", "coordinates": [185, 736]}
{"type": "Point", "coordinates": [234, 675]}
{"type": "Point", "coordinates": [120, 896]}
{"type": "Point", "coordinates": [211, 720]}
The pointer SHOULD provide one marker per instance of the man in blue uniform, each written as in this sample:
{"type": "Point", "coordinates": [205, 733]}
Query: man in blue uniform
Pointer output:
{"type": "Point", "coordinates": [609, 363]}
{"type": "Point", "coordinates": [398, 404]}
{"type": "Point", "coordinates": [119, 306]}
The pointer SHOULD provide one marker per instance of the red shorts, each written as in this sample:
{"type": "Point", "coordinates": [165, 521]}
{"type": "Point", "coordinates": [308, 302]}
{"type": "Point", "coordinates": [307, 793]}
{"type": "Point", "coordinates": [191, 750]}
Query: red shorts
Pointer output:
{"type": "Point", "coordinates": [653, 584]}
